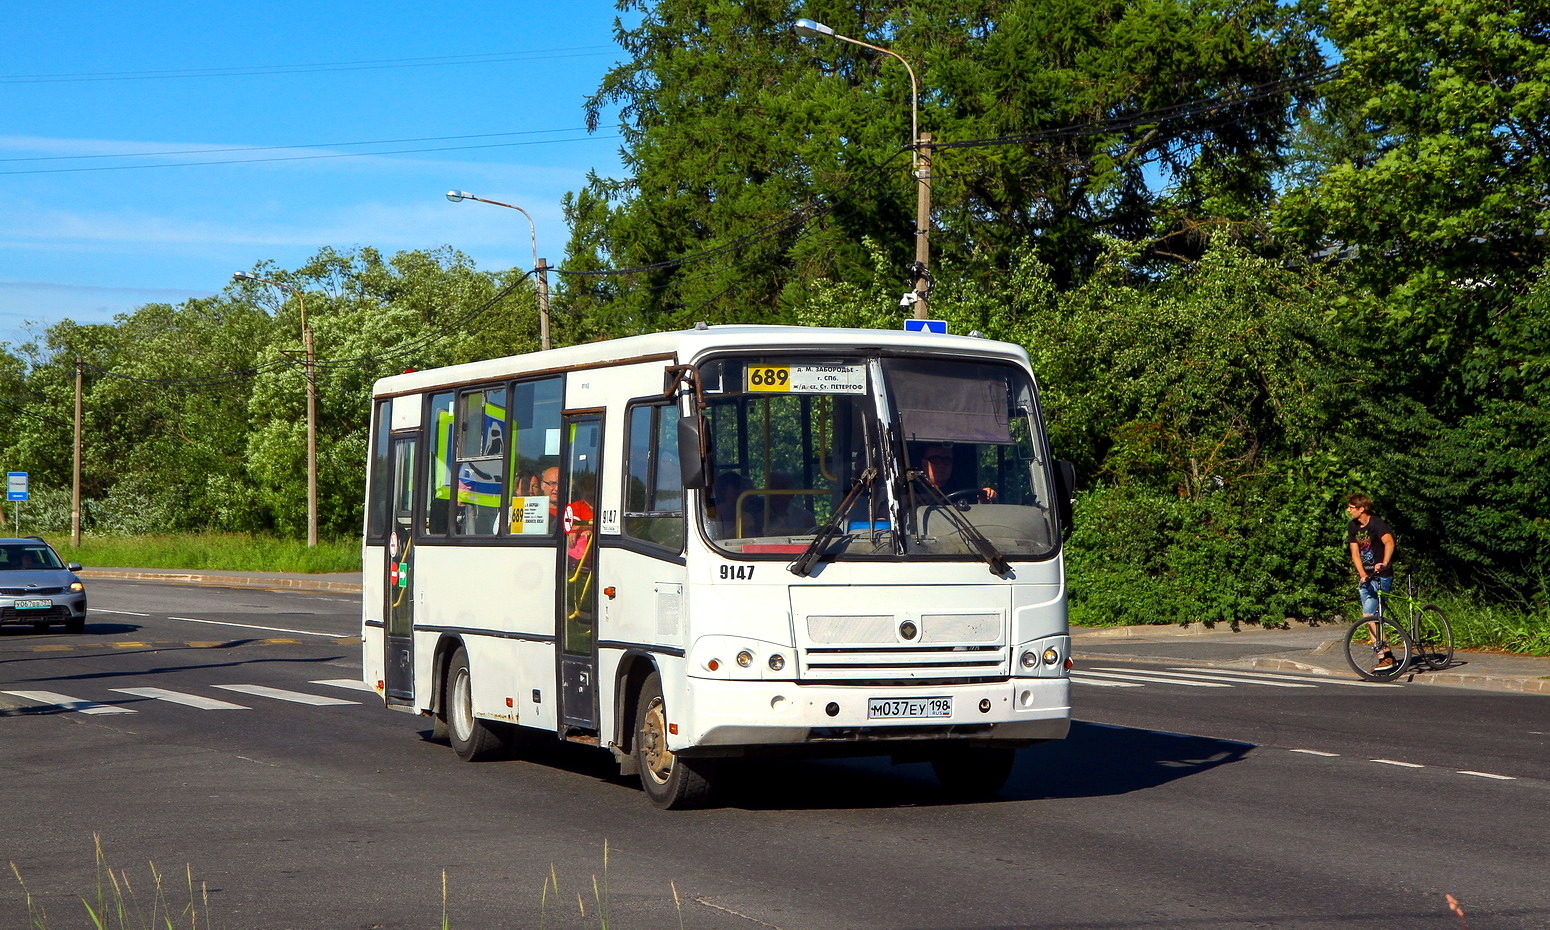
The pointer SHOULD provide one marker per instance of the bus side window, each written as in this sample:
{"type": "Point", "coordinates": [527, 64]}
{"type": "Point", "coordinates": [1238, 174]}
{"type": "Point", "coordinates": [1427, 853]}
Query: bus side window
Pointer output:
{"type": "Point", "coordinates": [480, 457]}
{"type": "Point", "coordinates": [653, 504]}
{"type": "Point", "coordinates": [438, 489]}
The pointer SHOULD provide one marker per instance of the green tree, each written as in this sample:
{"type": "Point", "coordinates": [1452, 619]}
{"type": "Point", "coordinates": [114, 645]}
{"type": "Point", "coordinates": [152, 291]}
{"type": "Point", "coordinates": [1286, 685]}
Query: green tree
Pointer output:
{"type": "Point", "coordinates": [780, 157]}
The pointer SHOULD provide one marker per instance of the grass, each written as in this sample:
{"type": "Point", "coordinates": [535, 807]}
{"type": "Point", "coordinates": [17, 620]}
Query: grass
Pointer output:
{"type": "Point", "coordinates": [214, 552]}
{"type": "Point", "coordinates": [116, 905]}
{"type": "Point", "coordinates": [1518, 628]}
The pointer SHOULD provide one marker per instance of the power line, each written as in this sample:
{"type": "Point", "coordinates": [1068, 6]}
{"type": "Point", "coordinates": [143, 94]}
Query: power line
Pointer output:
{"type": "Point", "coordinates": [309, 68]}
{"type": "Point", "coordinates": [254, 161]}
{"type": "Point", "coordinates": [305, 145]}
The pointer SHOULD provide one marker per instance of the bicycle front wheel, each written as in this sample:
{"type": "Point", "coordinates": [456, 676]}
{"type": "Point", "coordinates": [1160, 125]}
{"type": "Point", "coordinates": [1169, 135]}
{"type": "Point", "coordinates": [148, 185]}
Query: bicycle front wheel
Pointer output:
{"type": "Point", "coordinates": [1369, 642]}
{"type": "Point", "coordinates": [1434, 637]}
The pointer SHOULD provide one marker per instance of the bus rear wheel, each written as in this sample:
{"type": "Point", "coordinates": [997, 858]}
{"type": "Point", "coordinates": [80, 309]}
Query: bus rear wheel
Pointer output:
{"type": "Point", "coordinates": [974, 773]}
{"type": "Point", "coordinates": [671, 782]}
{"type": "Point", "coordinates": [473, 740]}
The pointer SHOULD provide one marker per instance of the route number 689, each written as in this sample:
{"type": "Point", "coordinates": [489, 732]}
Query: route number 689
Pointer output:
{"type": "Point", "coordinates": [769, 378]}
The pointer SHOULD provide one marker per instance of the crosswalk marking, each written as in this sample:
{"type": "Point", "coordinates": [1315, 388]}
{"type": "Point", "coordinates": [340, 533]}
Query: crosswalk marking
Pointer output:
{"type": "Point", "coordinates": [66, 702]}
{"type": "Point", "coordinates": [349, 684]}
{"type": "Point", "coordinates": [1312, 679]}
{"type": "Point", "coordinates": [179, 697]}
{"type": "Point", "coordinates": [280, 694]}
{"type": "Point", "coordinates": [1156, 679]}
{"type": "Point", "coordinates": [1083, 680]}
{"type": "Point", "coordinates": [1216, 676]}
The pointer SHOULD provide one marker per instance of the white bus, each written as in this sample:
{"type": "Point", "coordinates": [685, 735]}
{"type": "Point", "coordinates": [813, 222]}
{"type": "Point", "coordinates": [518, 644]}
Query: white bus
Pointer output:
{"type": "Point", "coordinates": [721, 542]}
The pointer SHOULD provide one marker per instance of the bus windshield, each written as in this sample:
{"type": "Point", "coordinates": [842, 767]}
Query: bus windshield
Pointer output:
{"type": "Point", "coordinates": [854, 457]}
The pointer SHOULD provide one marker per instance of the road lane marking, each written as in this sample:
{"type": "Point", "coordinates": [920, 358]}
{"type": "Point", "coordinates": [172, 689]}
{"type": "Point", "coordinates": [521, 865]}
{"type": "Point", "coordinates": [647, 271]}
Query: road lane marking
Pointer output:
{"type": "Point", "coordinates": [1214, 676]}
{"type": "Point", "coordinates": [353, 684]}
{"type": "Point", "coordinates": [1082, 680]}
{"type": "Point", "coordinates": [1405, 765]}
{"type": "Point", "coordinates": [104, 610]}
{"type": "Point", "coordinates": [178, 697]}
{"type": "Point", "coordinates": [1312, 679]}
{"type": "Point", "coordinates": [1489, 775]}
{"type": "Point", "coordinates": [1315, 752]}
{"type": "Point", "coordinates": [1157, 679]}
{"type": "Point", "coordinates": [66, 702]}
{"type": "Point", "coordinates": [254, 626]}
{"type": "Point", "coordinates": [280, 694]}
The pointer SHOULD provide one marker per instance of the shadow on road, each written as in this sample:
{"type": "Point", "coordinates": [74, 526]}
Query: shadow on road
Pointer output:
{"type": "Point", "coordinates": [1096, 760]}
{"type": "Point", "coordinates": [55, 633]}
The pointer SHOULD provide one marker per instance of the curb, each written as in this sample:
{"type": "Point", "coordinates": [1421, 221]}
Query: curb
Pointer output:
{"type": "Point", "coordinates": [224, 581]}
{"type": "Point", "coordinates": [1444, 679]}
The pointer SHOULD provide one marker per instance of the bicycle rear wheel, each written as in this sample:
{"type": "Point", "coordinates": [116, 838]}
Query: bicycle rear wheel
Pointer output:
{"type": "Point", "coordinates": [1363, 650]}
{"type": "Point", "coordinates": [1434, 637]}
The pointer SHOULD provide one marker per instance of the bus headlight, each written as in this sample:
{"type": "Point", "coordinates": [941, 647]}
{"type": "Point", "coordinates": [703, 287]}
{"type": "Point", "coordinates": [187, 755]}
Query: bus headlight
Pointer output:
{"type": "Point", "coordinates": [1030, 660]}
{"type": "Point", "coordinates": [1051, 656]}
{"type": "Point", "coordinates": [777, 662]}
{"type": "Point", "coordinates": [744, 659]}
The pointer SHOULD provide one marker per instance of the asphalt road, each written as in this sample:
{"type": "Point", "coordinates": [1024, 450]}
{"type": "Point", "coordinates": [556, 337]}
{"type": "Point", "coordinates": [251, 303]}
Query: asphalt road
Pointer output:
{"type": "Point", "coordinates": [1223, 800]}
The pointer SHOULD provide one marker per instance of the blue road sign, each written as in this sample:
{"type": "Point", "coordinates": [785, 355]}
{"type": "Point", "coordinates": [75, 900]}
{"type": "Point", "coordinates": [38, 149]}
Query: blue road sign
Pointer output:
{"type": "Point", "coordinates": [15, 485]}
{"type": "Point", "coordinates": [926, 326]}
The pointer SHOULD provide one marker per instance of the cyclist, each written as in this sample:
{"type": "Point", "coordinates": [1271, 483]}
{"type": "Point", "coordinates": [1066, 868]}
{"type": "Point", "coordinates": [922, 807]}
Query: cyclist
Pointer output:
{"type": "Point", "coordinates": [1370, 541]}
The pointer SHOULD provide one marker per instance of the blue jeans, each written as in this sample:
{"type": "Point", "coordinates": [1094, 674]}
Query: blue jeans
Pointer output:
{"type": "Point", "coordinates": [1368, 590]}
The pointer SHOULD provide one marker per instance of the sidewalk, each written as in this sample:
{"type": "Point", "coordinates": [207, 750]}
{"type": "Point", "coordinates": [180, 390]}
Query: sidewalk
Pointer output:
{"type": "Point", "coordinates": [1303, 649]}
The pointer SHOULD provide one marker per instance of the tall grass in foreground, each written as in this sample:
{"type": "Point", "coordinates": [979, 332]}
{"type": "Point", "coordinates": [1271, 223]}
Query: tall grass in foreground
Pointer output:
{"type": "Point", "coordinates": [215, 552]}
{"type": "Point", "coordinates": [117, 906]}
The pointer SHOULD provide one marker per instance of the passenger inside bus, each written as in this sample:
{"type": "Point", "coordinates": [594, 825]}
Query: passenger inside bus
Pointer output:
{"type": "Point", "coordinates": [786, 511]}
{"type": "Point", "coordinates": [727, 499]}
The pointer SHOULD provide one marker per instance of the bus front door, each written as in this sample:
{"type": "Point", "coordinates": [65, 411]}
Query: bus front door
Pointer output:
{"type": "Point", "coordinates": [399, 578]}
{"type": "Point", "coordinates": [577, 565]}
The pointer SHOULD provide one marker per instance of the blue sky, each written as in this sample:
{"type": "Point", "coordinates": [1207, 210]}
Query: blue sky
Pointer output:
{"type": "Point", "coordinates": [148, 150]}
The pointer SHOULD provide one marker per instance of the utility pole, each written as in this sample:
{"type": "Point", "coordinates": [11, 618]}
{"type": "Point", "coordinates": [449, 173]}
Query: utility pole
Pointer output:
{"type": "Point", "coordinates": [543, 303]}
{"type": "Point", "coordinates": [312, 429]}
{"type": "Point", "coordinates": [922, 223]}
{"type": "Point", "coordinates": [75, 484]}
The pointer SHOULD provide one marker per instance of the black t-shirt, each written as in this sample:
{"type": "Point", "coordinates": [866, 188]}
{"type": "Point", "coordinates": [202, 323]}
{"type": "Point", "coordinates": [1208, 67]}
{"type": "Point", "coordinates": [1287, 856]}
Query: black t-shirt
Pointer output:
{"type": "Point", "coordinates": [1369, 542]}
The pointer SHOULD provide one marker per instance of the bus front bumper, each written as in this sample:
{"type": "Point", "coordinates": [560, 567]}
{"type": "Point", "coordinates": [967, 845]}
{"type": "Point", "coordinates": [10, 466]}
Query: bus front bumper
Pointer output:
{"type": "Point", "coordinates": [1019, 711]}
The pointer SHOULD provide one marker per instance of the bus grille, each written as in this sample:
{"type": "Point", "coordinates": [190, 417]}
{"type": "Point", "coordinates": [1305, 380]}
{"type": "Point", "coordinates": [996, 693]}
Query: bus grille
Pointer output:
{"type": "Point", "coordinates": [871, 647]}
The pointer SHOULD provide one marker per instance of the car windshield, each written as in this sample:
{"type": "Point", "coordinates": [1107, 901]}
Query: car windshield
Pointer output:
{"type": "Point", "coordinates": [885, 457]}
{"type": "Point", "coordinates": [27, 558]}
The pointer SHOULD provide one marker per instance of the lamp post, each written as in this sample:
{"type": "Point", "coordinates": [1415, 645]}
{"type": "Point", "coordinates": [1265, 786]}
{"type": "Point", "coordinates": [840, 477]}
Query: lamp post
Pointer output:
{"type": "Point", "coordinates": [920, 166]}
{"type": "Point", "coordinates": [539, 264]}
{"type": "Point", "coordinates": [312, 402]}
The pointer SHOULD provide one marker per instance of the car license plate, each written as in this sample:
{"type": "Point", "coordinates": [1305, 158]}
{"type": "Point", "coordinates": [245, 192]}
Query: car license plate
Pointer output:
{"type": "Point", "coordinates": [908, 708]}
{"type": "Point", "coordinates": [34, 603]}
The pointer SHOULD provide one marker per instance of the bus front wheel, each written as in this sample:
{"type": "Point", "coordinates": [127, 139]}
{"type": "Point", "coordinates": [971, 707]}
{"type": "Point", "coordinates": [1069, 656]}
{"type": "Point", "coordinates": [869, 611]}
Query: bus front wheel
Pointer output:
{"type": "Point", "coordinates": [974, 773]}
{"type": "Point", "coordinates": [670, 781]}
{"type": "Point", "coordinates": [473, 740]}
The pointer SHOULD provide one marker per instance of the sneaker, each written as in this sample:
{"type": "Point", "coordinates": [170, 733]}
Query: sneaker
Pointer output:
{"type": "Point", "coordinates": [1385, 664]}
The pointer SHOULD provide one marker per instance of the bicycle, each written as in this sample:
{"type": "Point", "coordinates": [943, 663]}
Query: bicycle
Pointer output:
{"type": "Point", "coordinates": [1423, 632]}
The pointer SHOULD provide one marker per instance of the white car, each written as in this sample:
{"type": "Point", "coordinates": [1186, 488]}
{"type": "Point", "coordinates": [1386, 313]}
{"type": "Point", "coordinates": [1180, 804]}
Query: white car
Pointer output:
{"type": "Point", "coordinates": [37, 588]}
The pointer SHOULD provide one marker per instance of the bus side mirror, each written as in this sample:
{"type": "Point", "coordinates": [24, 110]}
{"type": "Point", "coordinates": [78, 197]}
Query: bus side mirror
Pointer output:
{"type": "Point", "coordinates": [1065, 492]}
{"type": "Point", "coordinates": [691, 463]}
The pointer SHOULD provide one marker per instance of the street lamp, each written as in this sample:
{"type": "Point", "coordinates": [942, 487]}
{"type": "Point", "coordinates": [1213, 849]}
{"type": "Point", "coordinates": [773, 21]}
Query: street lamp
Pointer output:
{"type": "Point", "coordinates": [312, 402]}
{"type": "Point", "coordinates": [920, 166]}
{"type": "Point", "coordinates": [539, 264]}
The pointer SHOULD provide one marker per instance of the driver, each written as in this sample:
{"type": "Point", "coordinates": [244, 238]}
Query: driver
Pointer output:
{"type": "Point", "coordinates": [936, 462]}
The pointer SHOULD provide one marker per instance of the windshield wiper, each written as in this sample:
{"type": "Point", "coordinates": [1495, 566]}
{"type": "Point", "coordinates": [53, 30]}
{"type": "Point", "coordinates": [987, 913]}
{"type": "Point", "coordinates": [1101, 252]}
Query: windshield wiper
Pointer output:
{"type": "Point", "coordinates": [830, 531]}
{"type": "Point", "coordinates": [987, 550]}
